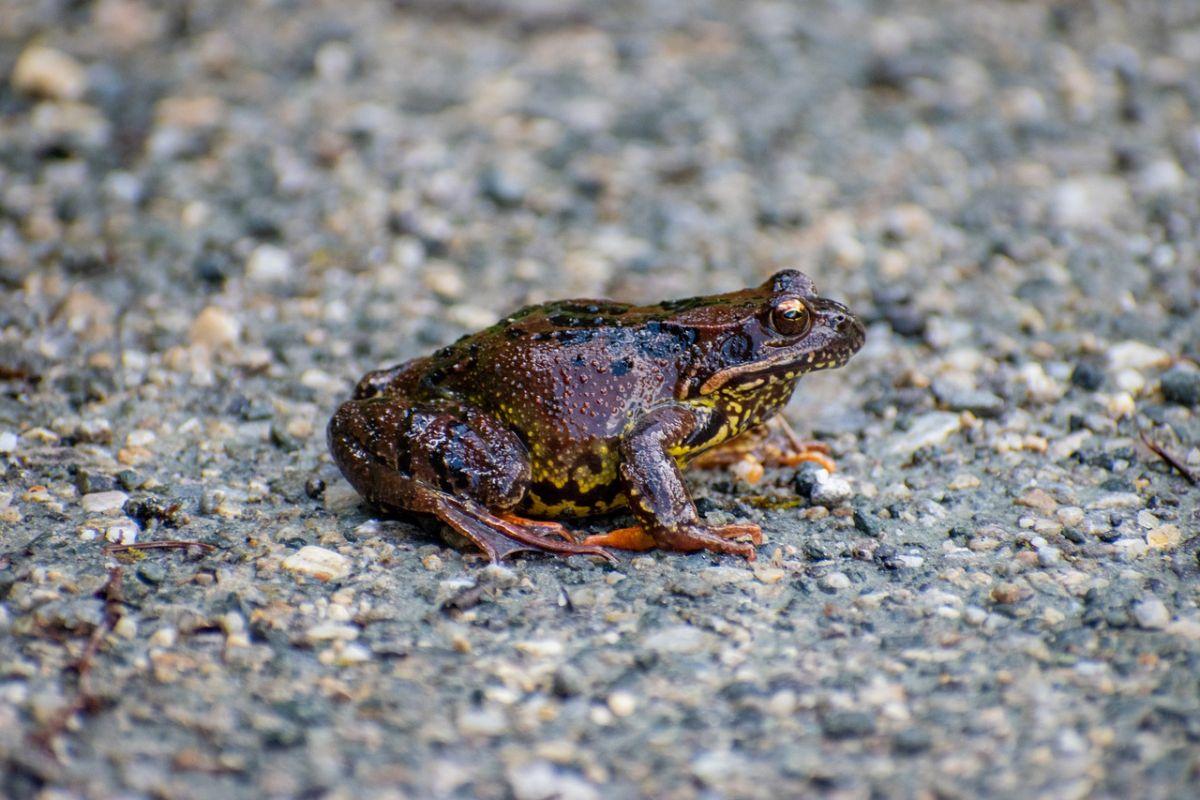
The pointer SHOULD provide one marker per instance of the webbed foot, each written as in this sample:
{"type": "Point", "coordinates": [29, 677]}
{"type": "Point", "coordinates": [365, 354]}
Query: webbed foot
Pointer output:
{"type": "Point", "coordinates": [500, 536]}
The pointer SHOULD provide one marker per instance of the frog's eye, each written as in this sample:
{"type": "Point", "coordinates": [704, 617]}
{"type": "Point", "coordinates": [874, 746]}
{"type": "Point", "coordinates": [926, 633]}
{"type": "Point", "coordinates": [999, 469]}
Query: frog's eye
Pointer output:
{"type": "Point", "coordinates": [791, 318]}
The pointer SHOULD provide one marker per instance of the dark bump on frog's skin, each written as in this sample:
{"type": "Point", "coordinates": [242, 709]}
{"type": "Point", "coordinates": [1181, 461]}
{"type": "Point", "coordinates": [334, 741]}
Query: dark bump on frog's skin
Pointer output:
{"type": "Point", "coordinates": [539, 414]}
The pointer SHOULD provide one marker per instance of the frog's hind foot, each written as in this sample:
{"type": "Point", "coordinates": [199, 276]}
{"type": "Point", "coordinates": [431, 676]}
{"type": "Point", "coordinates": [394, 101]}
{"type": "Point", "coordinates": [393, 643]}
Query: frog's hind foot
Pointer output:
{"type": "Point", "coordinates": [542, 527]}
{"type": "Point", "coordinates": [636, 538]}
{"type": "Point", "coordinates": [501, 536]}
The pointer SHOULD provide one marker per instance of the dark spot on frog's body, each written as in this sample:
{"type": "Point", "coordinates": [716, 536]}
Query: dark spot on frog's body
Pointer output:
{"type": "Point", "coordinates": [621, 367]}
{"type": "Point", "coordinates": [735, 348]}
{"type": "Point", "coordinates": [433, 377]}
{"type": "Point", "coordinates": [664, 341]}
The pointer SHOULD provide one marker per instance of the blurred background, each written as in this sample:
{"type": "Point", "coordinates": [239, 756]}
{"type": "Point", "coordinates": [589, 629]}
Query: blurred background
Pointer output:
{"type": "Point", "coordinates": [215, 215]}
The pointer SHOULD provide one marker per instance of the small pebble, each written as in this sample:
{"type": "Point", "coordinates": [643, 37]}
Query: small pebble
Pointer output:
{"type": "Point", "coordinates": [1181, 385]}
{"type": "Point", "coordinates": [151, 571]}
{"type": "Point", "coordinates": [269, 264]}
{"type": "Point", "coordinates": [1136, 355]}
{"type": "Point", "coordinates": [1007, 593]}
{"type": "Point", "coordinates": [104, 502]}
{"type": "Point", "coordinates": [929, 430]}
{"type": "Point", "coordinates": [541, 780]}
{"type": "Point", "coordinates": [1039, 500]}
{"type": "Point", "coordinates": [318, 562]}
{"type": "Point", "coordinates": [834, 581]}
{"type": "Point", "coordinates": [214, 328]}
{"type": "Point", "coordinates": [1151, 613]}
{"type": "Point", "coordinates": [45, 72]}
{"type": "Point", "coordinates": [1049, 556]}
{"type": "Point", "coordinates": [1164, 537]}
{"type": "Point", "coordinates": [622, 704]}
{"type": "Point", "coordinates": [832, 491]}
{"type": "Point", "coordinates": [843, 724]}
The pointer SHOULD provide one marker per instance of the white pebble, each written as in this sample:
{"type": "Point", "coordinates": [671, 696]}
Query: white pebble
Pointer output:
{"type": "Point", "coordinates": [352, 654]}
{"type": "Point", "coordinates": [8, 442]}
{"type": "Point", "coordinates": [832, 491]}
{"type": "Point", "coordinates": [122, 531]}
{"type": "Point", "coordinates": [318, 562]}
{"type": "Point", "coordinates": [1151, 613]}
{"type": "Point", "coordinates": [329, 632]}
{"type": "Point", "coordinates": [1049, 556]}
{"type": "Point", "coordinates": [269, 264]}
{"type": "Point", "coordinates": [1137, 355]}
{"type": "Point", "coordinates": [834, 581]}
{"type": "Point", "coordinates": [103, 502]}
{"type": "Point", "coordinates": [622, 704]}
{"type": "Point", "coordinates": [927, 430]}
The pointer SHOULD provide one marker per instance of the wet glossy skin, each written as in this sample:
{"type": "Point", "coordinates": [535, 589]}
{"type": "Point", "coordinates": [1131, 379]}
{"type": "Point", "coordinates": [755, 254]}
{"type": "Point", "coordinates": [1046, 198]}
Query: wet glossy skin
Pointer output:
{"type": "Point", "coordinates": [580, 407]}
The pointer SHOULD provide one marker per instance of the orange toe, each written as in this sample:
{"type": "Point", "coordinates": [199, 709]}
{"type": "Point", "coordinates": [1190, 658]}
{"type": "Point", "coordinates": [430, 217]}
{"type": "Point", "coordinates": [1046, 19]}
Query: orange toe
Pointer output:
{"type": "Point", "coordinates": [800, 456]}
{"type": "Point", "coordinates": [631, 538]}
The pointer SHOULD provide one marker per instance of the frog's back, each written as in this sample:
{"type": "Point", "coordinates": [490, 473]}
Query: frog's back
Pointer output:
{"type": "Point", "coordinates": [579, 367]}
{"type": "Point", "coordinates": [569, 378]}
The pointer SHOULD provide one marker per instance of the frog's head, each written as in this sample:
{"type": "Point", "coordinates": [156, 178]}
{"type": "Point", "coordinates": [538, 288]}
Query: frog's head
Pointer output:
{"type": "Point", "coordinates": [763, 339]}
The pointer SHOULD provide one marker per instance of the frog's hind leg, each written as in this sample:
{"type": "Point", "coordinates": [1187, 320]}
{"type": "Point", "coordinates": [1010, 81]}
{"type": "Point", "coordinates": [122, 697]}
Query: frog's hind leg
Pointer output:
{"type": "Point", "coordinates": [453, 462]}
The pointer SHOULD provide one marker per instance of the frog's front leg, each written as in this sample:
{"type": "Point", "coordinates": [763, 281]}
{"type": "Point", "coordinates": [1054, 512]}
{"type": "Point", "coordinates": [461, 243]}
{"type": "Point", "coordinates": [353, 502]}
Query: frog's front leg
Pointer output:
{"type": "Point", "coordinates": [445, 459]}
{"type": "Point", "coordinates": [658, 498]}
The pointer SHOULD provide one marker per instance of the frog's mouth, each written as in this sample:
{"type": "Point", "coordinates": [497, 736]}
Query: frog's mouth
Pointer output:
{"type": "Point", "coordinates": [785, 366]}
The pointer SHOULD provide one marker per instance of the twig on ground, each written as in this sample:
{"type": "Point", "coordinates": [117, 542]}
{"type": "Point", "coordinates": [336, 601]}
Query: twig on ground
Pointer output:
{"type": "Point", "coordinates": [1166, 455]}
{"type": "Point", "coordinates": [84, 700]}
{"type": "Point", "coordinates": [168, 544]}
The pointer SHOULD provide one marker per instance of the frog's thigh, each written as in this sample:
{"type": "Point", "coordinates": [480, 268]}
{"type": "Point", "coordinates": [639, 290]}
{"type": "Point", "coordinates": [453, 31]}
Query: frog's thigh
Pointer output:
{"type": "Point", "coordinates": [390, 449]}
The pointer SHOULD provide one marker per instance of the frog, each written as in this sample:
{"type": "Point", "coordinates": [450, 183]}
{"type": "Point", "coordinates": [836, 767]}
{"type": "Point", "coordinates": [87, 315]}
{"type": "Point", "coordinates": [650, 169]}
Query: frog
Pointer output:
{"type": "Point", "coordinates": [577, 408]}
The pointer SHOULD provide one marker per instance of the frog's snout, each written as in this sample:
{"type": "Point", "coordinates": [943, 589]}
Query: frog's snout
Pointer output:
{"type": "Point", "coordinates": [838, 319]}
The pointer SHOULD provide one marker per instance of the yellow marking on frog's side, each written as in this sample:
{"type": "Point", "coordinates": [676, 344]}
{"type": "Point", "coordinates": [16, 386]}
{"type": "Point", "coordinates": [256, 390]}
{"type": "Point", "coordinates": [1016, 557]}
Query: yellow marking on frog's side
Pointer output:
{"type": "Point", "coordinates": [587, 479]}
{"type": "Point", "coordinates": [568, 508]}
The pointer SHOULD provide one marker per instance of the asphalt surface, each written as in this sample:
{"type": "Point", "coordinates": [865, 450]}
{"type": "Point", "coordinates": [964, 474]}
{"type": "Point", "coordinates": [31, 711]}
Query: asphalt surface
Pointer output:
{"type": "Point", "coordinates": [214, 217]}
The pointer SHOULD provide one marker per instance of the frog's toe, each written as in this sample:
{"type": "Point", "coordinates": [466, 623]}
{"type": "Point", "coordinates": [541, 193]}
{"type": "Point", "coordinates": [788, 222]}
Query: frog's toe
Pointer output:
{"type": "Point", "coordinates": [542, 527]}
{"type": "Point", "coordinates": [722, 539]}
{"type": "Point", "coordinates": [797, 450]}
{"type": "Point", "coordinates": [740, 530]}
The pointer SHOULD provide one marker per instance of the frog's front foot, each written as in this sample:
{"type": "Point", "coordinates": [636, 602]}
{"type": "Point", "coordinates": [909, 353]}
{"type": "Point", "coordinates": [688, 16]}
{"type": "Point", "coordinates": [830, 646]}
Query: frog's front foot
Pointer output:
{"type": "Point", "coordinates": [774, 444]}
{"type": "Point", "coordinates": [689, 538]}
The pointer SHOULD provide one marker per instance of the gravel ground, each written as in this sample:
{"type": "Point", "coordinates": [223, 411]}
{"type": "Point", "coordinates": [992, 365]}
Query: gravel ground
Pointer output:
{"type": "Point", "coordinates": [215, 216]}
